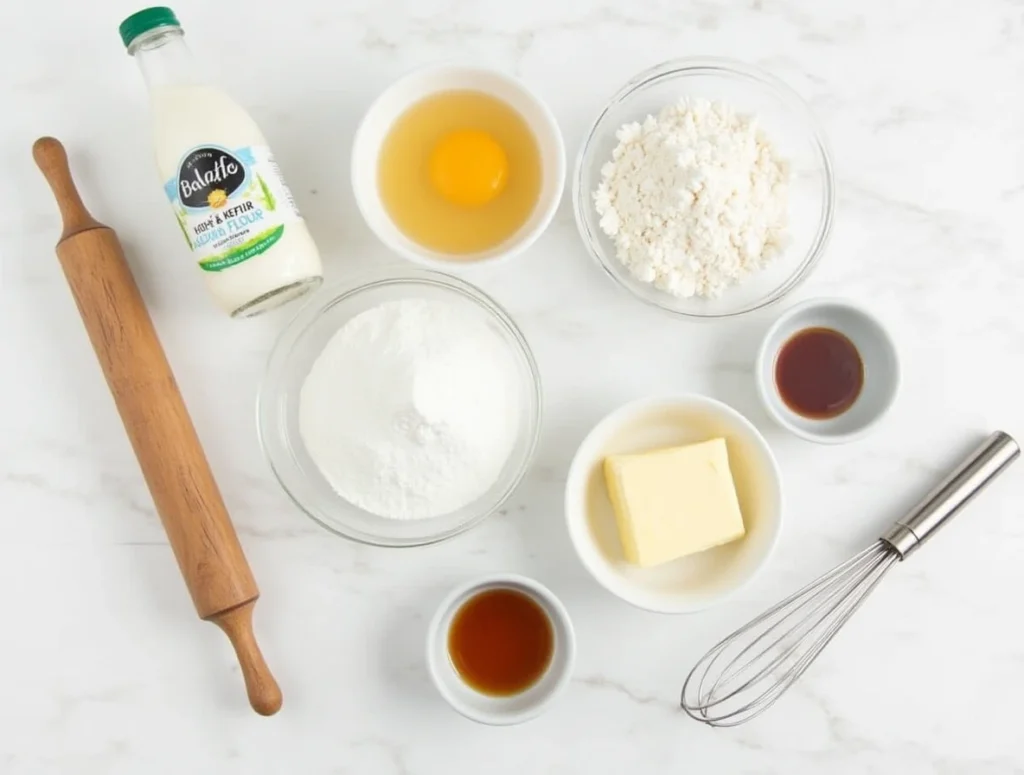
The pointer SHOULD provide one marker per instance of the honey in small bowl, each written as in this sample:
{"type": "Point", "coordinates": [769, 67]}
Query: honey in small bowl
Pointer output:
{"type": "Point", "coordinates": [819, 373]}
{"type": "Point", "coordinates": [501, 642]}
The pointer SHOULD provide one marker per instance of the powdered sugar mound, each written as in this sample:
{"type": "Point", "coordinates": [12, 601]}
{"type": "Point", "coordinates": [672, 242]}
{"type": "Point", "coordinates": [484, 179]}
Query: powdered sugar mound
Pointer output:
{"type": "Point", "coordinates": [695, 199]}
{"type": "Point", "coordinates": [412, 409]}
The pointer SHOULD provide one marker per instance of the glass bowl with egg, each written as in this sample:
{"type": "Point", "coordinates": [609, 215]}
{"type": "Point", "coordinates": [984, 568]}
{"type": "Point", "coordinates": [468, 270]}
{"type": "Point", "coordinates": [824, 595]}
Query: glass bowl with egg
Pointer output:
{"type": "Point", "coordinates": [455, 165]}
{"type": "Point", "coordinates": [726, 260]}
{"type": "Point", "coordinates": [315, 433]}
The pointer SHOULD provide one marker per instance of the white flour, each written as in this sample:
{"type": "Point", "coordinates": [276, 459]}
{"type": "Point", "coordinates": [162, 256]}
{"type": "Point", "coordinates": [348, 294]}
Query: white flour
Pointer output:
{"type": "Point", "coordinates": [695, 199]}
{"type": "Point", "coordinates": [412, 408]}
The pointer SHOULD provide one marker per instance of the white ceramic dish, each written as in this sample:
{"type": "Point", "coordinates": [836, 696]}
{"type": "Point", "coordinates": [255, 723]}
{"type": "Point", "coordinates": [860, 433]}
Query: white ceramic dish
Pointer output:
{"type": "Point", "coordinates": [689, 583]}
{"type": "Point", "coordinates": [877, 351]}
{"type": "Point", "coordinates": [422, 83]}
{"type": "Point", "coordinates": [515, 709]}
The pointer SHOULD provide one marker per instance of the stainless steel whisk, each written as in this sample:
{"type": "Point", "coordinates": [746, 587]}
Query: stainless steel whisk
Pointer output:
{"type": "Point", "coordinates": [743, 675]}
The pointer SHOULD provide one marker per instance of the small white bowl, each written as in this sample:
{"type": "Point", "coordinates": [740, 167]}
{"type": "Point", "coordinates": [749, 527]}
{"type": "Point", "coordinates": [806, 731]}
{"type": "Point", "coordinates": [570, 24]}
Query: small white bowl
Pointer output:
{"type": "Point", "coordinates": [690, 583]}
{"type": "Point", "coordinates": [516, 708]}
{"type": "Point", "coordinates": [878, 354]}
{"type": "Point", "coordinates": [412, 88]}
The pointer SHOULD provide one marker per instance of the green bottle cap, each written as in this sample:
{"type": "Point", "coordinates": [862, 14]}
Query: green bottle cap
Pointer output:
{"type": "Point", "coordinates": [146, 20]}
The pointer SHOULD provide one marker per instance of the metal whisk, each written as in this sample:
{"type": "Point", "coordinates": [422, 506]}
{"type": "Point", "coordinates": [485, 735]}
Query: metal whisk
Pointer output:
{"type": "Point", "coordinates": [743, 675]}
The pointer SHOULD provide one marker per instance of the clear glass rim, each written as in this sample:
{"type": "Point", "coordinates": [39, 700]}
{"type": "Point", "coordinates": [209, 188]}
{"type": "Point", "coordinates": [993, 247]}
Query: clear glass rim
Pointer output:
{"type": "Point", "coordinates": [732, 68]}
{"type": "Point", "coordinates": [154, 38]}
{"type": "Point", "coordinates": [337, 292]}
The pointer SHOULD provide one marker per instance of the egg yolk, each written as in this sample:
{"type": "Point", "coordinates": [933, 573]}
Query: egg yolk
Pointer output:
{"type": "Point", "coordinates": [468, 168]}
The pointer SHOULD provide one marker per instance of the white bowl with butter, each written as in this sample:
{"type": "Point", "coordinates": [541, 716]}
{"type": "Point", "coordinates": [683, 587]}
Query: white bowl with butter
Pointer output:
{"type": "Point", "coordinates": [702, 578]}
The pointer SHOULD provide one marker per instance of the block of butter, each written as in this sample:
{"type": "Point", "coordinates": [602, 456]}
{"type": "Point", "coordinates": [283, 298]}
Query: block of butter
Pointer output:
{"type": "Point", "coordinates": [673, 502]}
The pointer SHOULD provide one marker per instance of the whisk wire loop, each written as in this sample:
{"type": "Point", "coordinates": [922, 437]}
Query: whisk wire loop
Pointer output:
{"type": "Point", "coordinates": [745, 673]}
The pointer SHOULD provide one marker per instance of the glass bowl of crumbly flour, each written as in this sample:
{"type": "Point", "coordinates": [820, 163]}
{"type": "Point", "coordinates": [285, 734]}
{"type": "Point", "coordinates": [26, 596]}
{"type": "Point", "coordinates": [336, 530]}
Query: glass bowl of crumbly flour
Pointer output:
{"type": "Point", "coordinates": [401, 410]}
{"type": "Point", "coordinates": [705, 188]}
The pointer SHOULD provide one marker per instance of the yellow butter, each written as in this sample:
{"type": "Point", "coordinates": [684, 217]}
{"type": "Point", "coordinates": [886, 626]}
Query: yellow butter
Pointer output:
{"type": "Point", "coordinates": [673, 502]}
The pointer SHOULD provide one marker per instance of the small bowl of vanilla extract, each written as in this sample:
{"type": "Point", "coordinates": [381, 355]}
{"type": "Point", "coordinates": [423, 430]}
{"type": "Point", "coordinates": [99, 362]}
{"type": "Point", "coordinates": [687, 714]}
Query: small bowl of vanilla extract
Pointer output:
{"type": "Point", "coordinates": [828, 371]}
{"type": "Point", "coordinates": [500, 649]}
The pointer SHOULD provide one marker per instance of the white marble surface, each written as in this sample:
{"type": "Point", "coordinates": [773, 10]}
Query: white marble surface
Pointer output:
{"type": "Point", "coordinates": [104, 666]}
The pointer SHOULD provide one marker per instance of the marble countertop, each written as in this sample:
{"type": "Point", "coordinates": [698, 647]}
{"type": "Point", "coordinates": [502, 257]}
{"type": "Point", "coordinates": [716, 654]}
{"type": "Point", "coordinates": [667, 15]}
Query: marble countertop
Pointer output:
{"type": "Point", "coordinates": [106, 669]}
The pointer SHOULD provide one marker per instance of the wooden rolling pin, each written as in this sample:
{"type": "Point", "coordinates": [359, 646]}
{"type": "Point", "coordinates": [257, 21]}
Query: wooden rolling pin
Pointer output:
{"type": "Point", "coordinates": [158, 425]}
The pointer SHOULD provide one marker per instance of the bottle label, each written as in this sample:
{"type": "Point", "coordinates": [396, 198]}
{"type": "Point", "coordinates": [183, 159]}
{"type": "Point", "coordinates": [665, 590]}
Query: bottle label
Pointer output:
{"type": "Point", "coordinates": [231, 205]}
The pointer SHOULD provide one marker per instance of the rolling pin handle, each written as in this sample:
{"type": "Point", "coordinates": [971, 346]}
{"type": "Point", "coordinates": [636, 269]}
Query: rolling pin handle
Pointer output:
{"type": "Point", "coordinates": [264, 693]}
{"type": "Point", "coordinates": [52, 160]}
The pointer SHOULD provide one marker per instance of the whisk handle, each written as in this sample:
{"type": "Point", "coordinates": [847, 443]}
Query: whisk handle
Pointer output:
{"type": "Point", "coordinates": [953, 493]}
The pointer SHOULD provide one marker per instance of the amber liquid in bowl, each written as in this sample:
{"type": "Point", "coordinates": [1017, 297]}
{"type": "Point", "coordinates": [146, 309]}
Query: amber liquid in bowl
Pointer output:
{"type": "Point", "coordinates": [819, 373]}
{"type": "Point", "coordinates": [501, 642]}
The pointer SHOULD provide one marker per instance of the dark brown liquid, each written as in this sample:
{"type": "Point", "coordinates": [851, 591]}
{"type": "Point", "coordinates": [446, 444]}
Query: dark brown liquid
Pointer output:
{"type": "Point", "coordinates": [501, 642]}
{"type": "Point", "coordinates": [819, 373]}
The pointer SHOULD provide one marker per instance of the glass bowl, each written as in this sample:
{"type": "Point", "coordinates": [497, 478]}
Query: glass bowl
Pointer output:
{"type": "Point", "coordinates": [294, 354]}
{"type": "Point", "coordinates": [789, 124]}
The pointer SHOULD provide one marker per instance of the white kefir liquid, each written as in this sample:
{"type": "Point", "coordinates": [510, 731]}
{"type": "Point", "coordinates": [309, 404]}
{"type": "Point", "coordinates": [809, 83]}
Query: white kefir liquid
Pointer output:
{"type": "Point", "coordinates": [224, 186]}
{"type": "Point", "coordinates": [196, 116]}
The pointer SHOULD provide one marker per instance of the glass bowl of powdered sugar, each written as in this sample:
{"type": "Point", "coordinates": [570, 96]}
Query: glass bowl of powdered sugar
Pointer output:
{"type": "Point", "coordinates": [705, 188]}
{"type": "Point", "coordinates": [402, 410]}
